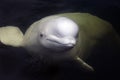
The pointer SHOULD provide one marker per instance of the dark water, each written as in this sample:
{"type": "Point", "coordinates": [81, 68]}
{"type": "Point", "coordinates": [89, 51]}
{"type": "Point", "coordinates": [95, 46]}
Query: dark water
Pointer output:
{"type": "Point", "coordinates": [15, 64]}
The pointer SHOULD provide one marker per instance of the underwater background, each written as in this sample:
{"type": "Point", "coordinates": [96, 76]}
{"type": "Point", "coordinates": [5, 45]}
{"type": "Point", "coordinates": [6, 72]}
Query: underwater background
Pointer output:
{"type": "Point", "coordinates": [16, 64]}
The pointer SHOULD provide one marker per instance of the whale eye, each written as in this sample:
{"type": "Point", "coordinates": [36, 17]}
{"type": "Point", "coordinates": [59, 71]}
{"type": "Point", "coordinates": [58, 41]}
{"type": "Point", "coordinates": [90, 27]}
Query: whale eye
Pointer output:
{"type": "Point", "coordinates": [41, 35]}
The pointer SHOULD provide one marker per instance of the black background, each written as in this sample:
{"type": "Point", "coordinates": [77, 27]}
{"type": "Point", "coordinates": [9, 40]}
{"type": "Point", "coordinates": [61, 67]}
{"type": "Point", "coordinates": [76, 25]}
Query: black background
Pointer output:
{"type": "Point", "coordinates": [16, 64]}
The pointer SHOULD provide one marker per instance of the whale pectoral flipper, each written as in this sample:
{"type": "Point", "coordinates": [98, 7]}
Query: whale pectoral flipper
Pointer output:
{"type": "Point", "coordinates": [84, 65]}
{"type": "Point", "coordinates": [11, 36]}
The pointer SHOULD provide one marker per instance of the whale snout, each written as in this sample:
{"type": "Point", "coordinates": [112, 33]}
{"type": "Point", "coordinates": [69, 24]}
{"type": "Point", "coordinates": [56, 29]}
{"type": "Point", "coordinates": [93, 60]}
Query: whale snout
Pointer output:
{"type": "Point", "coordinates": [69, 42]}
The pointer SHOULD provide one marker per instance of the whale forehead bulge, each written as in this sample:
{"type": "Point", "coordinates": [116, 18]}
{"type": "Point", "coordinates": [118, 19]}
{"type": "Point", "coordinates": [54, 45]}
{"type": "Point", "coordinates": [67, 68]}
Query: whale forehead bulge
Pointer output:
{"type": "Point", "coordinates": [66, 27]}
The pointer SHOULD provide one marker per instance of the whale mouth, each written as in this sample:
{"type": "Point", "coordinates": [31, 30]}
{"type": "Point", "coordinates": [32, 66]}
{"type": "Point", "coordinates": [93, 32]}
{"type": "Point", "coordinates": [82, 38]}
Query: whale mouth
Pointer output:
{"type": "Point", "coordinates": [69, 45]}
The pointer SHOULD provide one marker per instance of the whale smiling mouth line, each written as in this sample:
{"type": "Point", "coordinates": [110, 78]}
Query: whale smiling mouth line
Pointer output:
{"type": "Point", "coordinates": [56, 42]}
{"type": "Point", "coordinates": [63, 44]}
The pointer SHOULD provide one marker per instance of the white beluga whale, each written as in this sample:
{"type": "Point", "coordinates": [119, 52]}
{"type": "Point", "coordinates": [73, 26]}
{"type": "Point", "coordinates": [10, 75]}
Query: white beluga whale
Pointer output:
{"type": "Point", "coordinates": [60, 37]}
